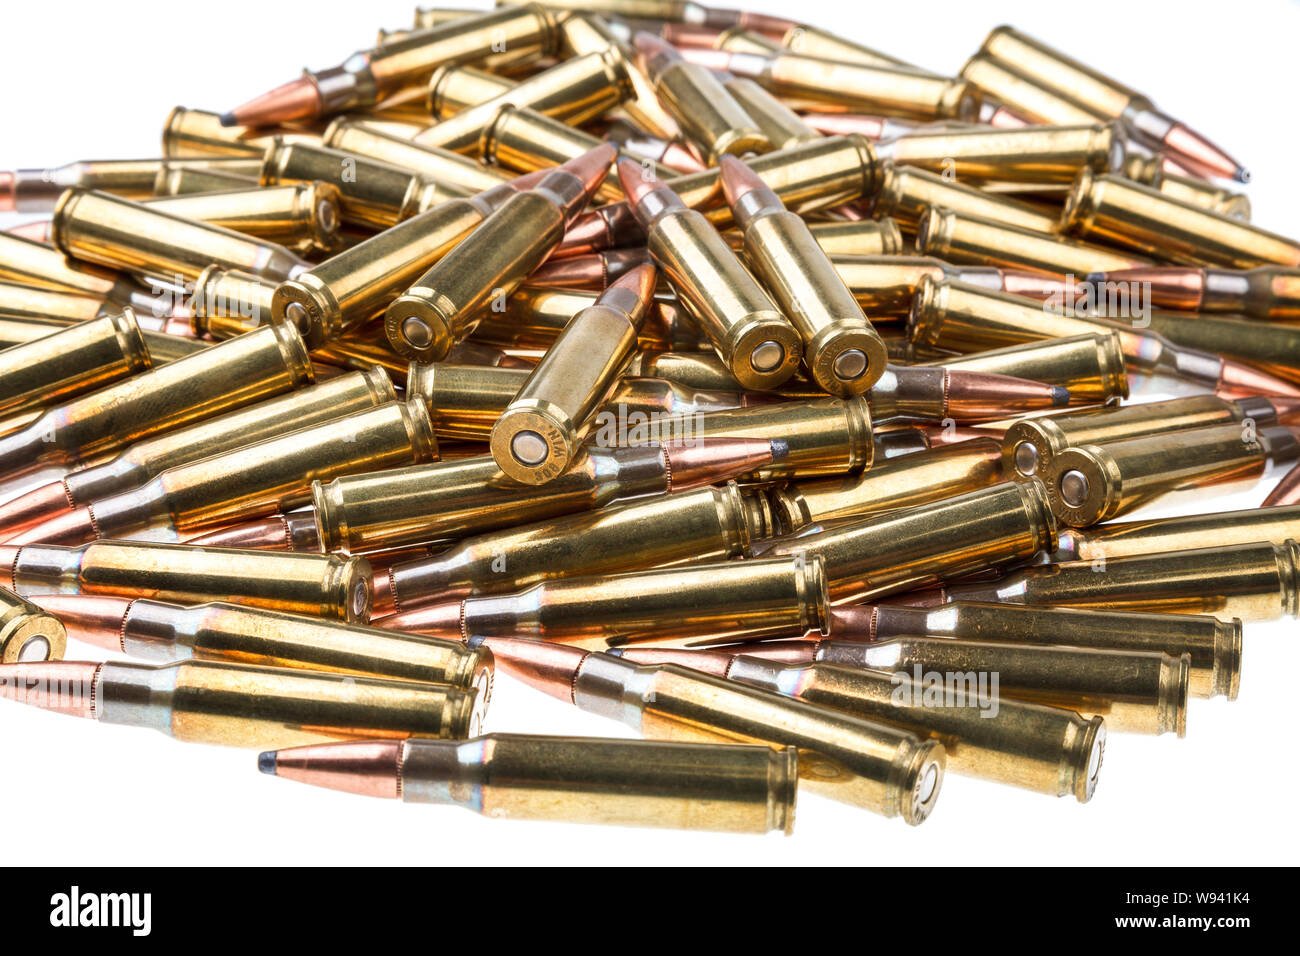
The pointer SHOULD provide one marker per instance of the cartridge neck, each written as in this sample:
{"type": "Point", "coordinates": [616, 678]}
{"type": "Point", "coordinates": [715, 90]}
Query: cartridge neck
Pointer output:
{"type": "Point", "coordinates": [140, 513]}
{"type": "Point", "coordinates": [630, 471]}
{"type": "Point", "coordinates": [47, 569]}
{"type": "Point", "coordinates": [443, 772]}
{"type": "Point", "coordinates": [160, 632]}
{"type": "Point", "coordinates": [612, 687]}
{"type": "Point", "coordinates": [768, 674]}
{"type": "Point", "coordinates": [136, 694]}
{"type": "Point", "coordinates": [101, 481]}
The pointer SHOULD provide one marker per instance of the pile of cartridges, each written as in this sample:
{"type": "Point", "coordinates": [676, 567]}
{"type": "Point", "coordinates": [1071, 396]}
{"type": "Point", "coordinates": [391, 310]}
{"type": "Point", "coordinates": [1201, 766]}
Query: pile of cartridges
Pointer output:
{"type": "Point", "coordinates": [703, 369]}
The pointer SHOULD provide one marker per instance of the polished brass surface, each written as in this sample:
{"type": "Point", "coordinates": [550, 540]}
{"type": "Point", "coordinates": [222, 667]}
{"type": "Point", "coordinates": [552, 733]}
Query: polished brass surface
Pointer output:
{"type": "Point", "coordinates": [1090, 365]}
{"type": "Point", "coordinates": [1031, 154]}
{"type": "Point", "coordinates": [304, 217]}
{"type": "Point", "coordinates": [325, 585]}
{"type": "Point", "coordinates": [918, 546]}
{"type": "Point", "coordinates": [907, 194]}
{"type": "Point", "coordinates": [72, 361]}
{"type": "Point", "coordinates": [28, 633]}
{"type": "Point", "coordinates": [1049, 750]}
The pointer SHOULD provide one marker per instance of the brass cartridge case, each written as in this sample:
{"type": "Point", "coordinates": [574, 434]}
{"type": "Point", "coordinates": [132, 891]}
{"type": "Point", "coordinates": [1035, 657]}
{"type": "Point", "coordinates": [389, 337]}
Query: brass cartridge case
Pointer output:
{"type": "Point", "coordinates": [962, 317]}
{"type": "Point", "coordinates": [1032, 444]}
{"type": "Point", "coordinates": [535, 316]}
{"type": "Point", "coordinates": [842, 351]}
{"type": "Point", "coordinates": [1088, 484]}
{"type": "Point", "coordinates": [238, 372]}
{"type": "Point", "coordinates": [827, 436]}
{"type": "Point", "coordinates": [1255, 582]}
{"type": "Point", "coordinates": [70, 362]}
{"type": "Point", "coordinates": [1030, 154]}
{"type": "Point", "coordinates": [324, 585]}
{"type": "Point", "coordinates": [262, 421]}
{"type": "Point", "coordinates": [27, 632]}
{"type": "Point", "coordinates": [50, 306]}
{"type": "Point", "coordinates": [1118, 539]}
{"type": "Point", "coordinates": [1213, 647]}
{"type": "Point", "coordinates": [303, 217]}
{"type": "Point", "coordinates": [465, 401]}
{"type": "Point", "coordinates": [656, 396]}
{"type": "Point", "coordinates": [105, 229]}
{"type": "Point", "coordinates": [576, 90]}
{"type": "Point", "coordinates": [273, 475]}
{"type": "Point", "coordinates": [1138, 692]}
{"type": "Point", "coordinates": [959, 238]}
{"type": "Point", "coordinates": [38, 190]}
{"type": "Point", "coordinates": [451, 499]}
{"type": "Point", "coordinates": [526, 141]}
{"type": "Point", "coordinates": [368, 139]}
{"type": "Point", "coordinates": [695, 98]}
{"type": "Point", "coordinates": [357, 284]}
{"type": "Point", "coordinates": [1036, 102]}
{"type": "Point", "coordinates": [913, 547]}
{"type": "Point", "coordinates": [372, 194]}
{"type": "Point", "coordinates": [734, 788]}
{"type": "Point", "coordinates": [25, 262]}
{"type": "Point", "coordinates": [1045, 749]}
{"type": "Point", "coordinates": [243, 705]}
{"type": "Point", "coordinates": [581, 33]}
{"type": "Point", "coordinates": [1274, 347]}
{"type": "Point", "coordinates": [867, 237]}
{"type": "Point", "coordinates": [185, 181]}
{"type": "Point", "coordinates": [443, 305]}
{"type": "Point", "coordinates": [188, 132]}
{"type": "Point", "coordinates": [904, 482]}
{"type": "Point", "coordinates": [1139, 217]}
{"type": "Point", "coordinates": [757, 343]}
{"type": "Point", "coordinates": [860, 87]}
{"type": "Point", "coordinates": [454, 86]}
{"type": "Point", "coordinates": [1090, 365]}
{"type": "Point", "coordinates": [1150, 171]}
{"type": "Point", "coordinates": [781, 126]}
{"type": "Point", "coordinates": [702, 370]}
{"type": "Point", "coordinates": [881, 769]}
{"type": "Point", "coordinates": [704, 525]}
{"type": "Point", "coordinates": [226, 303]}
{"type": "Point", "coordinates": [161, 632]}
{"type": "Point", "coordinates": [887, 284]}
{"type": "Point", "coordinates": [907, 194]}
{"type": "Point", "coordinates": [741, 599]}
{"type": "Point", "coordinates": [538, 435]}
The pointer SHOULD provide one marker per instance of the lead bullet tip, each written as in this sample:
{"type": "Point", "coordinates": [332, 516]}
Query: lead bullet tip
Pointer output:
{"type": "Point", "coordinates": [228, 119]}
{"type": "Point", "coordinates": [1060, 396]}
{"type": "Point", "coordinates": [69, 528]}
{"type": "Point", "coordinates": [266, 762]}
{"type": "Point", "coordinates": [550, 668]}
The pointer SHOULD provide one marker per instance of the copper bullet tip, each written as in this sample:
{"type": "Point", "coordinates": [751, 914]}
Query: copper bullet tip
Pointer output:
{"type": "Point", "coordinates": [32, 508]}
{"type": "Point", "coordinates": [266, 534]}
{"type": "Point", "coordinates": [650, 46]}
{"type": "Point", "coordinates": [1169, 287]}
{"type": "Point", "coordinates": [6, 192]}
{"type": "Point", "coordinates": [640, 282]}
{"type": "Point", "coordinates": [64, 687]}
{"type": "Point", "coordinates": [92, 619]}
{"type": "Point", "coordinates": [369, 768]}
{"type": "Point", "coordinates": [974, 396]}
{"type": "Point", "coordinates": [637, 180]}
{"type": "Point", "coordinates": [550, 668]}
{"type": "Point", "coordinates": [295, 100]}
{"type": "Point", "coordinates": [591, 168]}
{"type": "Point", "coordinates": [1287, 409]}
{"type": "Point", "coordinates": [433, 620]}
{"type": "Point", "coordinates": [857, 622]}
{"type": "Point", "coordinates": [1190, 145]}
{"type": "Point", "coordinates": [1287, 491]}
{"type": "Point", "coordinates": [38, 231]}
{"type": "Point", "coordinates": [1239, 380]}
{"type": "Point", "coordinates": [702, 461]}
{"type": "Point", "coordinates": [69, 528]}
{"type": "Point", "coordinates": [737, 179]}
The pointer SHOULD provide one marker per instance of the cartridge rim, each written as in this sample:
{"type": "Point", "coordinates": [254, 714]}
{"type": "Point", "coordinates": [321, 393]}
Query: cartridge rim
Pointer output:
{"type": "Point", "coordinates": [418, 327]}
{"type": "Point", "coordinates": [532, 441]}
{"type": "Point", "coordinates": [1080, 210]}
{"type": "Point", "coordinates": [961, 100]}
{"type": "Point", "coordinates": [738, 142]}
{"type": "Point", "coordinates": [1082, 484]}
{"type": "Point", "coordinates": [826, 353]}
{"type": "Point", "coordinates": [1029, 447]}
{"type": "Point", "coordinates": [922, 781]}
{"type": "Point", "coordinates": [1088, 759]}
{"type": "Point", "coordinates": [31, 635]}
{"type": "Point", "coordinates": [131, 338]}
{"type": "Point", "coordinates": [765, 331]}
{"type": "Point", "coordinates": [1227, 658]}
{"type": "Point", "coordinates": [309, 304]}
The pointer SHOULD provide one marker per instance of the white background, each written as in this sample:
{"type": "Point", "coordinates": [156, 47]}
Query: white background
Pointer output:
{"type": "Point", "coordinates": [96, 80]}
